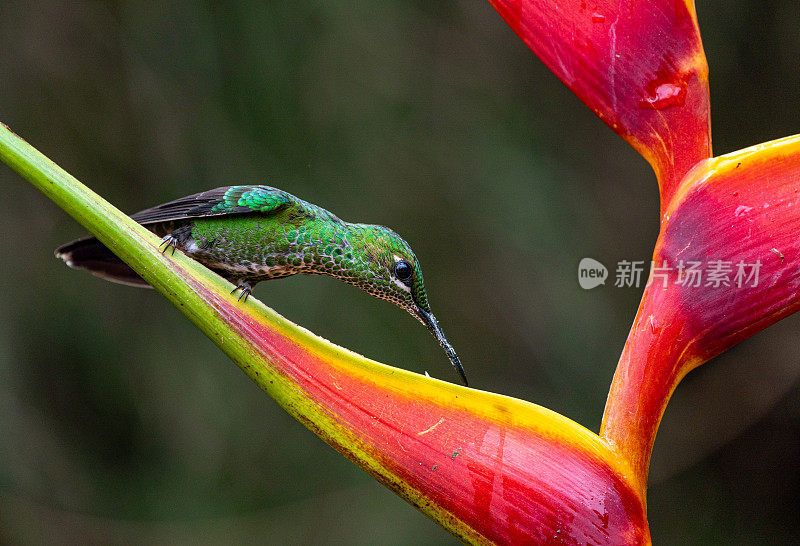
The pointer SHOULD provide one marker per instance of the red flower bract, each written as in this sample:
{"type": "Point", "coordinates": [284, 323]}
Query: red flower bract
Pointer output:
{"type": "Point", "coordinates": [739, 213]}
{"type": "Point", "coordinates": [489, 468]}
{"type": "Point", "coordinates": [639, 65]}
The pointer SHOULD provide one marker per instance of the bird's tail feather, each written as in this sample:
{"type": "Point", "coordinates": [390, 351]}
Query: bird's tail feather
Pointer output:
{"type": "Point", "coordinates": [92, 255]}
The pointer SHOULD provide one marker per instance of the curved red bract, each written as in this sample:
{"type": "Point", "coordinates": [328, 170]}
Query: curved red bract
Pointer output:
{"type": "Point", "coordinates": [487, 467]}
{"type": "Point", "coordinates": [743, 208]}
{"type": "Point", "coordinates": [639, 65]}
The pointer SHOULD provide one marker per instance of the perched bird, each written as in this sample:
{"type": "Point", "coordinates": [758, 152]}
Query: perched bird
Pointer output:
{"type": "Point", "coordinates": [249, 234]}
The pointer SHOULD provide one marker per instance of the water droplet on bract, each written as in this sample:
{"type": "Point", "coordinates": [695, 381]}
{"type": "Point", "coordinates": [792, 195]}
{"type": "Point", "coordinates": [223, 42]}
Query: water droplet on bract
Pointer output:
{"type": "Point", "coordinates": [598, 18]}
{"type": "Point", "coordinates": [741, 209]}
{"type": "Point", "coordinates": [665, 95]}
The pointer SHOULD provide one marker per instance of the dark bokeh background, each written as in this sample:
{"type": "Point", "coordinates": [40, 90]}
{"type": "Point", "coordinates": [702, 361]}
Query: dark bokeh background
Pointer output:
{"type": "Point", "coordinates": [120, 422]}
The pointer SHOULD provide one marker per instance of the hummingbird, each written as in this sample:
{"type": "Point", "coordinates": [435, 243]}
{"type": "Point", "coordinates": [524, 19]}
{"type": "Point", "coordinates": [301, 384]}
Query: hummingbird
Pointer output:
{"type": "Point", "coordinates": [249, 234]}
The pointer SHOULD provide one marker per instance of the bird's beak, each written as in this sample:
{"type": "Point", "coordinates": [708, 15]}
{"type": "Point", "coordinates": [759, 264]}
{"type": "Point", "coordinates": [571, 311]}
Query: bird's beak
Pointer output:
{"type": "Point", "coordinates": [430, 321]}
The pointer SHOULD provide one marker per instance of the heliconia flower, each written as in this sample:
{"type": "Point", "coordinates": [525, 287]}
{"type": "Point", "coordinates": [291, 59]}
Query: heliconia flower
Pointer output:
{"type": "Point", "coordinates": [725, 263]}
{"type": "Point", "coordinates": [489, 468]}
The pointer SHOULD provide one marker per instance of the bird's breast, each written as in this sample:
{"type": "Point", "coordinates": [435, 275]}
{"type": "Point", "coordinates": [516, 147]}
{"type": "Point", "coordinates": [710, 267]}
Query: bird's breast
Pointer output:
{"type": "Point", "coordinates": [258, 248]}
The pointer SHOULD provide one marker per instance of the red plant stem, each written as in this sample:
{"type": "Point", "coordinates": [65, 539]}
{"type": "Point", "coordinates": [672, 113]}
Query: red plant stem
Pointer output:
{"type": "Point", "coordinates": [653, 362]}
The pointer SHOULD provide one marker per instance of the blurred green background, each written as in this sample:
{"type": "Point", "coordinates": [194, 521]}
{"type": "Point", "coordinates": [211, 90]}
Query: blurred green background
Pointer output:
{"type": "Point", "coordinates": [120, 422]}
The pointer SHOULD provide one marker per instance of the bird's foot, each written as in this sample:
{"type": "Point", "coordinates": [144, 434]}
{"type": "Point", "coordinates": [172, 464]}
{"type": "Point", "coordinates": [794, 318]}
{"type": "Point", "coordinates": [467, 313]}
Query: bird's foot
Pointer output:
{"type": "Point", "coordinates": [168, 241]}
{"type": "Point", "coordinates": [246, 290]}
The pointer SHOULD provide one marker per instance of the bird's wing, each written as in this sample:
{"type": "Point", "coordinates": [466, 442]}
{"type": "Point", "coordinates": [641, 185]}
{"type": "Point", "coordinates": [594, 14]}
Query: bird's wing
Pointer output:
{"type": "Point", "coordinates": [223, 201]}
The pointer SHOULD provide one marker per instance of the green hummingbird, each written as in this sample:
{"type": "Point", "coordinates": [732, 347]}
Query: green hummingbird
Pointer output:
{"type": "Point", "coordinates": [249, 234]}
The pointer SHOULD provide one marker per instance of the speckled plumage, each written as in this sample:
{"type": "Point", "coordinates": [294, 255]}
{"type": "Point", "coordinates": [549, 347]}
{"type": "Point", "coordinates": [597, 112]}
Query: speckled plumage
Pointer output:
{"type": "Point", "coordinates": [249, 234]}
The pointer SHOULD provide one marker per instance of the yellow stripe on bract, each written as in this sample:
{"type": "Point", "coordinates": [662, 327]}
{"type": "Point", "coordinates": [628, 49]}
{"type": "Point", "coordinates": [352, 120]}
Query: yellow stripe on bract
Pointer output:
{"type": "Point", "coordinates": [707, 171]}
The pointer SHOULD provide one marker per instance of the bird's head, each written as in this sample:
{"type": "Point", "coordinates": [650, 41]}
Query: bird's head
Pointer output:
{"type": "Point", "coordinates": [392, 272]}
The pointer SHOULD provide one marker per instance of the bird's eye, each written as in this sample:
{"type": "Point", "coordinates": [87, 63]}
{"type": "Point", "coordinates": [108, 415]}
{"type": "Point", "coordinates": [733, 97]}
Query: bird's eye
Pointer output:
{"type": "Point", "coordinates": [403, 271]}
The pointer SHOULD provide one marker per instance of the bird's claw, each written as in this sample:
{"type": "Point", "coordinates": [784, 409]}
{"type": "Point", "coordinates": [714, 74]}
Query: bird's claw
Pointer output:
{"type": "Point", "coordinates": [168, 241]}
{"type": "Point", "coordinates": [246, 290]}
